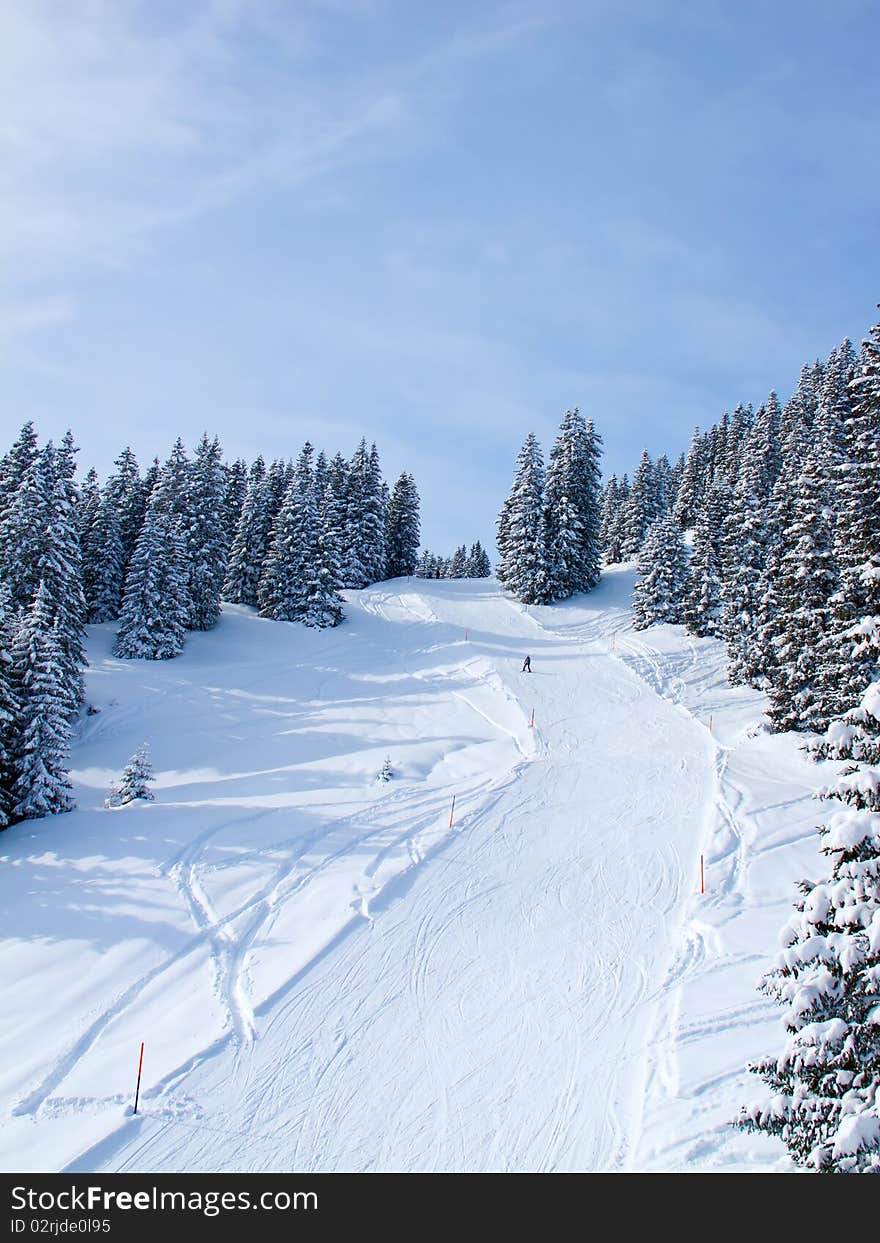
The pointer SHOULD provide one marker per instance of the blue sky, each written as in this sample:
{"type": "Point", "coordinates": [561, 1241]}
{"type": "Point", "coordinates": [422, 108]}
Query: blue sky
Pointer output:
{"type": "Point", "coordinates": [436, 224]}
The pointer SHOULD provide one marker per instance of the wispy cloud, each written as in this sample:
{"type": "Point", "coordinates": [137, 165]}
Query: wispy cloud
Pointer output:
{"type": "Point", "coordinates": [18, 320]}
{"type": "Point", "coordinates": [113, 124]}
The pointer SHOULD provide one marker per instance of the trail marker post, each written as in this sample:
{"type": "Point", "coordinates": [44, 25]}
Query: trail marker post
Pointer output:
{"type": "Point", "coordinates": [452, 812]}
{"type": "Point", "coordinates": [137, 1091]}
{"type": "Point", "coordinates": [711, 720]}
{"type": "Point", "coordinates": [465, 636]}
{"type": "Point", "coordinates": [702, 876]}
{"type": "Point", "coordinates": [532, 721]}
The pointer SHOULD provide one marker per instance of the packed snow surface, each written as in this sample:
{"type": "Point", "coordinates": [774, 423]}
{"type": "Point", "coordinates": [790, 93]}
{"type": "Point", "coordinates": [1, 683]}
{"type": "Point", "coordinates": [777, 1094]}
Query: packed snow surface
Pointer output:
{"type": "Point", "coordinates": [326, 976]}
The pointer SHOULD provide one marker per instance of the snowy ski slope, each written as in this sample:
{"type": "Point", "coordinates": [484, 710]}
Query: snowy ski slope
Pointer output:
{"type": "Point", "coordinates": [326, 977]}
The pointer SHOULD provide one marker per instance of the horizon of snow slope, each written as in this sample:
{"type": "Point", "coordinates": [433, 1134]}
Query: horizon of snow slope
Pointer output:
{"type": "Point", "coordinates": [328, 977]}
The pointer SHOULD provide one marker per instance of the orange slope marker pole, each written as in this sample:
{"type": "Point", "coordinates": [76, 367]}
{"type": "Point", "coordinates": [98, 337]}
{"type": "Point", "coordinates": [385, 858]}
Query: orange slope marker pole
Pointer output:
{"type": "Point", "coordinates": [452, 812]}
{"type": "Point", "coordinates": [702, 876]}
{"type": "Point", "coordinates": [138, 1088]}
{"type": "Point", "coordinates": [532, 721]}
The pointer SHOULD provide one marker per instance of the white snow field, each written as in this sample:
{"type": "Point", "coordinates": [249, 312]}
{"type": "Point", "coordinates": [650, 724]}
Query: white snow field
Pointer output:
{"type": "Point", "coordinates": [326, 977]}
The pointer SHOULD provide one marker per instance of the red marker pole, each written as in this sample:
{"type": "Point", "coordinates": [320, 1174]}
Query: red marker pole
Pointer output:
{"type": "Point", "coordinates": [711, 730]}
{"type": "Point", "coordinates": [532, 721]}
{"type": "Point", "coordinates": [452, 812]}
{"type": "Point", "coordinates": [140, 1068]}
{"type": "Point", "coordinates": [702, 877]}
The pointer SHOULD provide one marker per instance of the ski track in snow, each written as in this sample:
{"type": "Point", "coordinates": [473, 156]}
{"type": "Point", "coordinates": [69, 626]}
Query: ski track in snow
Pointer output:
{"type": "Point", "coordinates": [326, 975]}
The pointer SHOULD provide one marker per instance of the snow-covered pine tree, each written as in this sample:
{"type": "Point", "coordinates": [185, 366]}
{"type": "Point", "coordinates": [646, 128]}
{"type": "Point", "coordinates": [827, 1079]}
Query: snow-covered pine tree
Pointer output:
{"type": "Point", "coordinates": [703, 604]}
{"type": "Point", "coordinates": [806, 580]}
{"type": "Point", "coordinates": [205, 534]}
{"type": "Point", "coordinates": [155, 607]}
{"type": "Point", "coordinates": [233, 502]}
{"type": "Point", "coordinates": [458, 568]}
{"type": "Point", "coordinates": [744, 550]}
{"type": "Point", "coordinates": [825, 1105]}
{"type": "Point", "coordinates": [277, 482]}
{"type": "Point", "coordinates": [59, 567]}
{"type": "Point", "coordinates": [106, 579]}
{"type": "Point", "coordinates": [280, 588]}
{"type": "Point", "coordinates": [322, 472]}
{"type": "Point", "coordinates": [426, 564]}
{"type": "Point", "coordinates": [663, 480]}
{"type": "Point", "coordinates": [24, 528]}
{"type": "Point", "coordinates": [9, 705]}
{"type": "Point", "coordinates": [299, 581]}
{"type": "Point", "coordinates": [521, 528]}
{"type": "Point", "coordinates": [131, 493]}
{"type": "Point", "coordinates": [134, 784]}
{"type": "Point", "coordinates": [572, 518]}
{"type": "Point", "coordinates": [354, 550]}
{"type": "Point", "coordinates": [609, 531]}
{"type": "Point", "coordinates": [41, 786]}
{"type": "Point", "coordinates": [151, 478]}
{"type": "Point", "coordinates": [857, 522]}
{"type": "Point", "coordinates": [687, 501]}
{"type": "Point", "coordinates": [642, 507]}
{"type": "Point", "coordinates": [778, 520]}
{"type": "Point", "coordinates": [402, 539]}
{"type": "Point", "coordinates": [250, 546]}
{"type": "Point", "coordinates": [386, 772]}
{"type": "Point", "coordinates": [88, 505]}
{"type": "Point", "coordinates": [15, 465]}
{"type": "Point", "coordinates": [374, 519]}
{"type": "Point", "coordinates": [478, 565]}
{"type": "Point", "coordinates": [761, 457]}
{"type": "Point", "coordinates": [662, 585]}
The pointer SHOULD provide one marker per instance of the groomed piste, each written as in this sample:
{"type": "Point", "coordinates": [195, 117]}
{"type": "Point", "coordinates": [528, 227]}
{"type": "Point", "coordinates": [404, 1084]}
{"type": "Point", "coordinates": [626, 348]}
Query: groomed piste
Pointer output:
{"type": "Point", "coordinates": [327, 976]}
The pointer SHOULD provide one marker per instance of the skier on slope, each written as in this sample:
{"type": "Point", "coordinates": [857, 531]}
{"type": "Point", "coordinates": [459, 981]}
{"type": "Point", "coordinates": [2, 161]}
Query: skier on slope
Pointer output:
{"type": "Point", "coordinates": [527, 665]}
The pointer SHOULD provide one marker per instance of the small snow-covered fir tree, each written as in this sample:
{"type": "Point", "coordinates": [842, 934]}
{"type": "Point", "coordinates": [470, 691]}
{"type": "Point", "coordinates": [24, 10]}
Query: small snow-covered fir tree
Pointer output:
{"type": "Point", "coordinates": [155, 607]}
{"type": "Point", "coordinates": [661, 588]}
{"type": "Point", "coordinates": [41, 786]}
{"type": "Point", "coordinates": [135, 781]}
{"type": "Point", "coordinates": [386, 772]}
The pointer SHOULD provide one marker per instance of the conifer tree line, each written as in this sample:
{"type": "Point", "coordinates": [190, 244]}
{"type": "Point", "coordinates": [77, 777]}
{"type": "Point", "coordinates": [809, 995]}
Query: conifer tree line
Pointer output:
{"type": "Point", "coordinates": [156, 552]}
{"type": "Point", "coordinates": [784, 508]}
{"type": "Point", "coordinates": [783, 505]}
{"type": "Point", "coordinates": [549, 528]}
{"type": "Point", "coordinates": [462, 564]}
